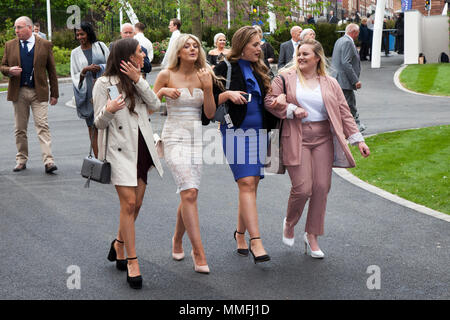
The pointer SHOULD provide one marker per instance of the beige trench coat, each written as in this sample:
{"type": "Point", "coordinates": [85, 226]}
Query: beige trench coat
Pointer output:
{"type": "Point", "coordinates": [123, 126]}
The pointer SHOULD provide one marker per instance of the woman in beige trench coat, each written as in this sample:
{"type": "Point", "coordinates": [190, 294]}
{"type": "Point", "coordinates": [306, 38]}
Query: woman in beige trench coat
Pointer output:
{"type": "Point", "coordinates": [131, 147]}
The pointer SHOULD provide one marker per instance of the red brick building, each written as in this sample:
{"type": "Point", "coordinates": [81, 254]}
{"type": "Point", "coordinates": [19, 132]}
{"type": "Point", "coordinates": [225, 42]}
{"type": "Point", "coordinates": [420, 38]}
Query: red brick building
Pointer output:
{"type": "Point", "coordinates": [436, 7]}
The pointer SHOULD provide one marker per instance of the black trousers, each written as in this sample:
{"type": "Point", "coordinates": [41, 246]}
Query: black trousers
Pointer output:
{"type": "Point", "coordinates": [364, 51]}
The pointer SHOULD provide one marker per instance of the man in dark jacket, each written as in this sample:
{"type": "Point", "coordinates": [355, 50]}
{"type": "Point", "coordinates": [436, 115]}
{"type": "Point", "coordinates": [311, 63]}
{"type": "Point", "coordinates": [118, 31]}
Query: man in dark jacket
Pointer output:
{"type": "Point", "coordinates": [400, 26]}
{"type": "Point", "coordinates": [333, 18]}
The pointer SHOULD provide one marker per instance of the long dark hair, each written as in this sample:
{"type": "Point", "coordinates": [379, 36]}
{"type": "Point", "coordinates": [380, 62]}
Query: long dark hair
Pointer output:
{"type": "Point", "coordinates": [122, 49]}
{"type": "Point", "coordinates": [240, 39]}
{"type": "Point", "coordinates": [89, 29]}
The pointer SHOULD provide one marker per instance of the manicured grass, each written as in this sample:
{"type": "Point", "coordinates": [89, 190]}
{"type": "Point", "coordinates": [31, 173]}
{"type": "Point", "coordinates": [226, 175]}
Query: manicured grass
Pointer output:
{"type": "Point", "coordinates": [413, 164]}
{"type": "Point", "coordinates": [431, 79]}
{"type": "Point", "coordinates": [3, 89]}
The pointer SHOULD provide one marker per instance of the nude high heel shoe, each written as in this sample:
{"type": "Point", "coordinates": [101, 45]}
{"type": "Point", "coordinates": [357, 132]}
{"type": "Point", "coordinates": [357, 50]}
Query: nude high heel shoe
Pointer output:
{"type": "Point", "coordinates": [199, 269]}
{"type": "Point", "coordinates": [177, 256]}
{"type": "Point", "coordinates": [315, 254]}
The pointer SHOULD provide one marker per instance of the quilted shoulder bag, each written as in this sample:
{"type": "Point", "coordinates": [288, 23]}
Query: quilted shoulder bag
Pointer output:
{"type": "Point", "coordinates": [95, 169]}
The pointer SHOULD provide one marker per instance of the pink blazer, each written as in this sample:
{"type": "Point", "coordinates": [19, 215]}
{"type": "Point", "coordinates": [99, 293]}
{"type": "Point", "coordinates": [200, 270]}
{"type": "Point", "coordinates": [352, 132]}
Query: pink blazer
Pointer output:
{"type": "Point", "coordinates": [342, 124]}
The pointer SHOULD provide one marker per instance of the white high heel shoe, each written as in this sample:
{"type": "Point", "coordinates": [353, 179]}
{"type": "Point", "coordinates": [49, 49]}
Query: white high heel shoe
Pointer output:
{"type": "Point", "coordinates": [287, 241]}
{"type": "Point", "coordinates": [315, 254]}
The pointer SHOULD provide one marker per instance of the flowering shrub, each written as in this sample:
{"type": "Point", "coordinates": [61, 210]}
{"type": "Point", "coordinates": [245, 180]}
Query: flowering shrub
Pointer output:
{"type": "Point", "coordinates": [159, 50]}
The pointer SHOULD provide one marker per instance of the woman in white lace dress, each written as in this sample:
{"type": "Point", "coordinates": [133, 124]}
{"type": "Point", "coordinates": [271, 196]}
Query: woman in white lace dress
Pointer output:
{"type": "Point", "coordinates": [187, 84]}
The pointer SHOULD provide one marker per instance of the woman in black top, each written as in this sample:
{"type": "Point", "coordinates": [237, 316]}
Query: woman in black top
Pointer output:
{"type": "Point", "coordinates": [216, 55]}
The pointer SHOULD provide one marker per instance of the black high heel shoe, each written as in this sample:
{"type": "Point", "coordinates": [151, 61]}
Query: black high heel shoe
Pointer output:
{"type": "Point", "coordinates": [257, 259]}
{"type": "Point", "coordinates": [134, 282]}
{"type": "Point", "coordinates": [241, 252]}
{"type": "Point", "coordinates": [112, 256]}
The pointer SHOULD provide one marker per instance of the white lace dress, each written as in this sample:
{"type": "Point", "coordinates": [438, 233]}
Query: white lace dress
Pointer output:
{"type": "Point", "coordinates": [182, 138]}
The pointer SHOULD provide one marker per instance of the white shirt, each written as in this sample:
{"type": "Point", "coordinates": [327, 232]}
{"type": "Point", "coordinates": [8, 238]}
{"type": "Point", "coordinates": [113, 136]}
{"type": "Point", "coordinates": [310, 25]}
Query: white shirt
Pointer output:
{"type": "Point", "coordinates": [147, 44]}
{"type": "Point", "coordinates": [311, 100]}
{"type": "Point", "coordinates": [295, 47]}
{"type": "Point", "coordinates": [172, 41]}
{"type": "Point", "coordinates": [30, 44]}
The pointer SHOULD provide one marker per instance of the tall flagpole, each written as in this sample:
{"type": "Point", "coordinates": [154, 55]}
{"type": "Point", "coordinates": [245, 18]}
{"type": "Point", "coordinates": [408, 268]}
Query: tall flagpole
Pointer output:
{"type": "Point", "coordinates": [228, 14]}
{"type": "Point", "coordinates": [272, 18]}
{"type": "Point", "coordinates": [377, 34]}
{"type": "Point", "coordinates": [49, 21]}
{"type": "Point", "coordinates": [121, 18]}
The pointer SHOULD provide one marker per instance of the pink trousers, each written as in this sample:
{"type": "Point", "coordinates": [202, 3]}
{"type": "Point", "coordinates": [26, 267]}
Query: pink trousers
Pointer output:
{"type": "Point", "coordinates": [312, 178]}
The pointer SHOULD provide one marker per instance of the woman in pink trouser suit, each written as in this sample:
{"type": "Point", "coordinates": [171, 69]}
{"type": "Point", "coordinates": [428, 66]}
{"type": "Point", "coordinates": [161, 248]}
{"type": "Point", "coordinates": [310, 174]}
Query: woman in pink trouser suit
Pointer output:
{"type": "Point", "coordinates": [317, 123]}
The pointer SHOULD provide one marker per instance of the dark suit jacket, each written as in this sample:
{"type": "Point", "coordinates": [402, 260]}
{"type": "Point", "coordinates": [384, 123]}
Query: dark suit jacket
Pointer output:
{"type": "Point", "coordinates": [333, 20]}
{"type": "Point", "coordinates": [286, 53]}
{"type": "Point", "coordinates": [43, 61]}
{"type": "Point", "coordinates": [238, 112]}
{"type": "Point", "coordinates": [147, 68]}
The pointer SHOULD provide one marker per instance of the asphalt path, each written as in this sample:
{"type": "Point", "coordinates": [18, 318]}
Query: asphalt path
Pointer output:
{"type": "Point", "coordinates": [50, 222]}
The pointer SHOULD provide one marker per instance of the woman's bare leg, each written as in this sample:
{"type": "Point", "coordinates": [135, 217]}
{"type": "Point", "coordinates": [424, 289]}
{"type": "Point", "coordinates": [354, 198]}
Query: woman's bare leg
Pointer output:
{"type": "Point", "coordinates": [189, 214]}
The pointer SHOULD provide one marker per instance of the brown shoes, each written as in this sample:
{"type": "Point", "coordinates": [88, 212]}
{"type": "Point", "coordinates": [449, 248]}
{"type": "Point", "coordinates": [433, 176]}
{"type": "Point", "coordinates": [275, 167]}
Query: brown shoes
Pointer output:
{"type": "Point", "coordinates": [20, 167]}
{"type": "Point", "coordinates": [50, 167]}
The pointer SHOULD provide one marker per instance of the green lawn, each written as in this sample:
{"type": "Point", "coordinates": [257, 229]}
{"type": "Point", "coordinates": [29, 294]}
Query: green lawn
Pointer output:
{"type": "Point", "coordinates": [413, 164]}
{"type": "Point", "coordinates": [431, 78]}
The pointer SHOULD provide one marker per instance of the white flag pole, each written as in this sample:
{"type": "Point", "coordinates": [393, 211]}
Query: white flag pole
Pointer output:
{"type": "Point", "coordinates": [121, 18]}
{"type": "Point", "coordinates": [49, 21]}
{"type": "Point", "coordinates": [228, 14]}
{"type": "Point", "coordinates": [377, 34]}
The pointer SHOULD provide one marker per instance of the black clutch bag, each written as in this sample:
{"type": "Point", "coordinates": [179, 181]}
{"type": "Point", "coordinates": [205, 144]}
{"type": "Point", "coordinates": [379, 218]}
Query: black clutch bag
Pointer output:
{"type": "Point", "coordinates": [96, 170]}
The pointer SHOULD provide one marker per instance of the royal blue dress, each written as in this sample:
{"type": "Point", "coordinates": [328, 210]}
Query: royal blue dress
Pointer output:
{"type": "Point", "coordinates": [246, 147]}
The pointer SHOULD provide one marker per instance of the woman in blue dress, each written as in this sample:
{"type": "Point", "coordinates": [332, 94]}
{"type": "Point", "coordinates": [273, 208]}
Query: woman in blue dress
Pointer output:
{"type": "Point", "coordinates": [245, 138]}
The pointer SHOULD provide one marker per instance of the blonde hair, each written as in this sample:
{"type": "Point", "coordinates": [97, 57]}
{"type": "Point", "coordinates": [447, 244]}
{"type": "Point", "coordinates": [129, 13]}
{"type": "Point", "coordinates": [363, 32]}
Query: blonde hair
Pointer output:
{"type": "Point", "coordinates": [240, 39]}
{"type": "Point", "coordinates": [217, 36]}
{"type": "Point", "coordinates": [174, 60]}
{"type": "Point", "coordinates": [317, 48]}
{"type": "Point", "coordinates": [258, 28]}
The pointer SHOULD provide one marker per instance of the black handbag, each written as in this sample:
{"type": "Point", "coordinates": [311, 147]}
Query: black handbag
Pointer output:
{"type": "Point", "coordinates": [222, 114]}
{"type": "Point", "coordinates": [94, 169]}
